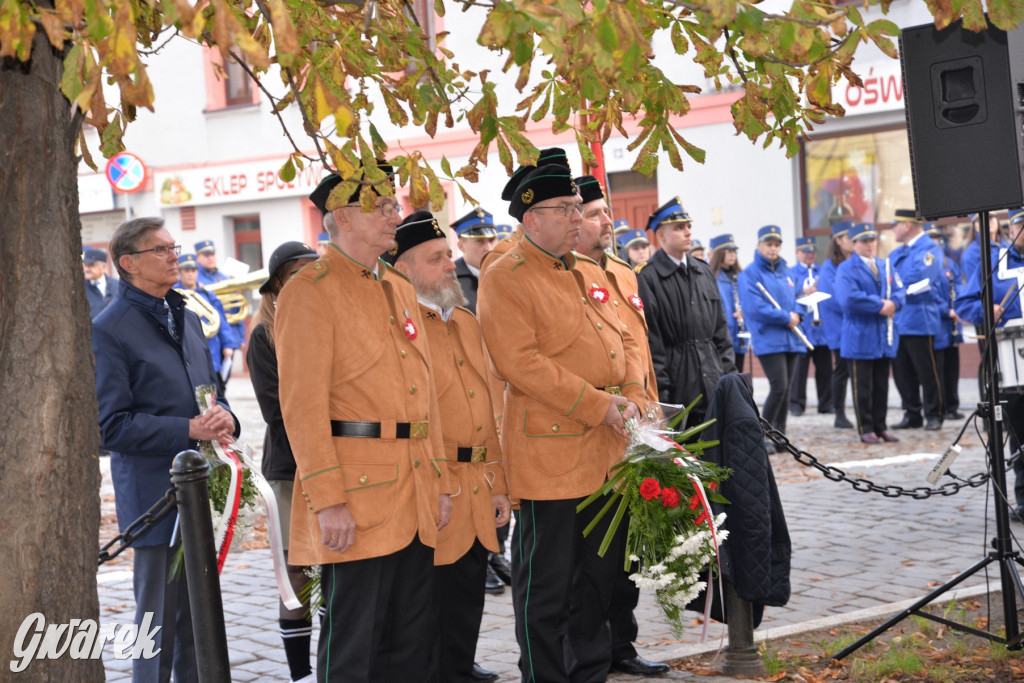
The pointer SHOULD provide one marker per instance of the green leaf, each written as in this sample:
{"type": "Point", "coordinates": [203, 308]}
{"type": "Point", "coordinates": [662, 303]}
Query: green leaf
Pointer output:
{"type": "Point", "coordinates": [287, 172]}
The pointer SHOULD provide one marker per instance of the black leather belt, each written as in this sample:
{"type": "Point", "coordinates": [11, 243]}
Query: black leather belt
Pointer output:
{"type": "Point", "coordinates": [371, 430]}
{"type": "Point", "coordinates": [471, 454]}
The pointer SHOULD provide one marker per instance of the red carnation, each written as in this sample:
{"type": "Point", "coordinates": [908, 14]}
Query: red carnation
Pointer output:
{"type": "Point", "coordinates": [669, 497]}
{"type": "Point", "coordinates": [712, 485]}
{"type": "Point", "coordinates": [650, 488]}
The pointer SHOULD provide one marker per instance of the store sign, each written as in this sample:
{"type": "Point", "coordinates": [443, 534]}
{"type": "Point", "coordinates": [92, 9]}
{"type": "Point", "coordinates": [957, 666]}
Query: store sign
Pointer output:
{"type": "Point", "coordinates": [94, 194]}
{"type": "Point", "coordinates": [882, 91]}
{"type": "Point", "coordinates": [233, 183]}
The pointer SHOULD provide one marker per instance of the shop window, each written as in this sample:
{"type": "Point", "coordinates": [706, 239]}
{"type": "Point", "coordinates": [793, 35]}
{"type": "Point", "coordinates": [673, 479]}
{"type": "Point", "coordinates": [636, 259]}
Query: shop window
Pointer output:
{"type": "Point", "coordinates": [227, 85]}
{"type": "Point", "coordinates": [862, 177]}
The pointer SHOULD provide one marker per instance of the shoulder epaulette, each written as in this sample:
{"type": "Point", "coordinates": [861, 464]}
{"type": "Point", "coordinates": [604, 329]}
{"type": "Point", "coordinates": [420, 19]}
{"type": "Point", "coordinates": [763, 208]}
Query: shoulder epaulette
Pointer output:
{"type": "Point", "coordinates": [638, 268]}
{"type": "Point", "coordinates": [581, 257]}
{"type": "Point", "coordinates": [388, 266]}
{"type": "Point", "coordinates": [613, 257]}
{"type": "Point", "coordinates": [320, 268]}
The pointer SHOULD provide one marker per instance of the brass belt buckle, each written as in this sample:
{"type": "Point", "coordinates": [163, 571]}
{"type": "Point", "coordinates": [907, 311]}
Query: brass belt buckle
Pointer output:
{"type": "Point", "coordinates": [479, 454]}
{"type": "Point", "coordinates": [419, 430]}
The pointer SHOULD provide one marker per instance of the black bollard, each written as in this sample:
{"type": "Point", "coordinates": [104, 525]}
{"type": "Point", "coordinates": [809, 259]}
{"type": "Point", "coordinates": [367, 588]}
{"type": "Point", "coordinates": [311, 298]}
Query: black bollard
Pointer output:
{"type": "Point", "coordinates": [189, 474]}
{"type": "Point", "coordinates": [741, 655]}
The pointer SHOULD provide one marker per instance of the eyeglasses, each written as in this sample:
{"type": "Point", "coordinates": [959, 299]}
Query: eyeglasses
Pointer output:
{"type": "Point", "coordinates": [564, 208]}
{"type": "Point", "coordinates": [385, 209]}
{"type": "Point", "coordinates": [163, 251]}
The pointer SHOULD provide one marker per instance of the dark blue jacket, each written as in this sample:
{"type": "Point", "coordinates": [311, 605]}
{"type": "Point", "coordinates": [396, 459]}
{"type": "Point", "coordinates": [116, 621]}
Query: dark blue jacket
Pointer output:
{"type": "Point", "coordinates": [146, 387]}
{"type": "Point", "coordinates": [949, 330]}
{"type": "Point", "coordinates": [99, 300]}
{"type": "Point", "coordinates": [922, 259]}
{"type": "Point", "coordinates": [727, 288]}
{"type": "Point", "coordinates": [968, 304]}
{"type": "Point", "coordinates": [830, 310]}
{"type": "Point", "coordinates": [768, 325]}
{"type": "Point", "coordinates": [860, 293]}
{"type": "Point", "coordinates": [800, 273]}
{"type": "Point", "coordinates": [970, 258]}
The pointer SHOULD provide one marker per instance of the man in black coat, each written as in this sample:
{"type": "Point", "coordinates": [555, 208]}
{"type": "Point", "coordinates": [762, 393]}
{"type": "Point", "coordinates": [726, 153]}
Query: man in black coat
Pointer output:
{"type": "Point", "coordinates": [476, 236]}
{"type": "Point", "coordinates": [690, 343]}
{"type": "Point", "coordinates": [100, 288]}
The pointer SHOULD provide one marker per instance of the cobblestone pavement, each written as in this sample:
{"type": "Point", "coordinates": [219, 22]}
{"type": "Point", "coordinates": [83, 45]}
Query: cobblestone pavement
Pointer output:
{"type": "Point", "coordinates": [851, 550]}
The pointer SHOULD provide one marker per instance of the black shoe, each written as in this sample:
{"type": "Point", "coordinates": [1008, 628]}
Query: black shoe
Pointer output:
{"type": "Point", "coordinates": [933, 424]}
{"type": "Point", "coordinates": [769, 448]}
{"type": "Point", "coordinates": [870, 438]}
{"type": "Point", "coordinates": [953, 415]}
{"type": "Point", "coordinates": [1017, 514]}
{"type": "Point", "coordinates": [482, 674]}
{"type": "Point", "coordinates": [500, 566]}
{"type": "Point", "coordinates": [492, 584]}
{"type": "Point", "coordinates": [638, 666]}
{"type": "Point", "coordinates": [796, 412]}
{"type": "Point", "coordinates": [842, 423]}
{"type": "Point", "coordinates": [909, 422]}
{"type": "Point", "coordinates": [827, 410]}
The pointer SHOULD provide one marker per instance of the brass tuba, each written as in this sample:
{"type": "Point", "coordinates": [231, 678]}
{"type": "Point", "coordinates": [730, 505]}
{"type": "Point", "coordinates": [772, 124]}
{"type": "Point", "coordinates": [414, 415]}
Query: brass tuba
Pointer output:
{"type": "Point", "coordinates": [208, 315]}
{"type": "Point", "coordinates": [232, 294]}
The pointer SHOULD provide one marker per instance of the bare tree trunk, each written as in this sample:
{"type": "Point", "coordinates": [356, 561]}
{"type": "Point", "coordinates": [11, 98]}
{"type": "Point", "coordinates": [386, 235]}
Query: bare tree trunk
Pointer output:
{"type": "Point", "coordinates": [49, 474]}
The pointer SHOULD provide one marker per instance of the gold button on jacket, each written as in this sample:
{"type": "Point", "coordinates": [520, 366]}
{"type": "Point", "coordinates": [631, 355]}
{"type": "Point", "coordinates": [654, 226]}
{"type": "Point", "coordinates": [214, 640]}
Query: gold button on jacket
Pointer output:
{"type": "Point", "coordinates": [340, 358]}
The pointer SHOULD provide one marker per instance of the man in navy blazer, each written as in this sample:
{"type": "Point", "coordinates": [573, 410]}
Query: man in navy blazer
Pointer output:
{"type": "Point", "coordinates": [100, 288]}
{"type": "Point", "coordinates": [151, 356]}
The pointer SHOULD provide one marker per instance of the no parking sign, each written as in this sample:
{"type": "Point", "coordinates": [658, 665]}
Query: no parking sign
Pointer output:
{"type": "Point", "coordinates": [126, 172]}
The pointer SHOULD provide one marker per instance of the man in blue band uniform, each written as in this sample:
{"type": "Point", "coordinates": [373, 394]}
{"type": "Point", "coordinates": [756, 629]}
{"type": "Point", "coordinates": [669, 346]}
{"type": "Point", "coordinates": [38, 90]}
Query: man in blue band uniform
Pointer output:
{"type": "Point", "coordinates": [1007, 272]}
{"type": "Point", "coordinates": [323, 240]}
{"type": "Point", "coordinates": [635, 246]}
{"type": "Point", "coordinates": [839, 249]}
{"type": "Point", "coordinates": [949, 337]}
{"type": "Point", "coordinates": [476, 236]}
{"type": "Point", "coordinates": [805, 274]}
{"type": "Point", "coordinates": [689, 338]}
{"type": "Point", "coordinates": [223, 341]}
{"type": "Point", "coordinates": [918, 260]}
{"type": "Point", "coordinates": [100, 289]}
{"type": "Point", "coordinates": [870, 295]}
{"type": "Point", "coordinates": [570, 366]}
{"type": "Point", "coordinates": [209, 274]}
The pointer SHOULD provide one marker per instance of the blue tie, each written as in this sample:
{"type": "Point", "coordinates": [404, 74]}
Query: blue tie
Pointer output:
{"type": "Point", "coordinates": [171, 327]}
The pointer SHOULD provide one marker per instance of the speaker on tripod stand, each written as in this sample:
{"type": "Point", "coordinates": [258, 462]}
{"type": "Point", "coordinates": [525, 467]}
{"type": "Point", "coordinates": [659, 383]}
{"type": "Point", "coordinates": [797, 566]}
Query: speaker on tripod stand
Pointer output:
{"type": "Point", "coordinates": [964, 95]}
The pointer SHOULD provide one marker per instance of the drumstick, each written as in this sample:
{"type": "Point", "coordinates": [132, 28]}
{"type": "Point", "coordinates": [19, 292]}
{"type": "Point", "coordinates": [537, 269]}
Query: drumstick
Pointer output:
{"type": "Point", "coordinates": [796, 330]}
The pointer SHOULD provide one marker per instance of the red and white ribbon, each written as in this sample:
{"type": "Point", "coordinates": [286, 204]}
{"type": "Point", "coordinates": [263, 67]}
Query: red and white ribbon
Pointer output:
{"type": "Point", "coordinates": [224, 525]}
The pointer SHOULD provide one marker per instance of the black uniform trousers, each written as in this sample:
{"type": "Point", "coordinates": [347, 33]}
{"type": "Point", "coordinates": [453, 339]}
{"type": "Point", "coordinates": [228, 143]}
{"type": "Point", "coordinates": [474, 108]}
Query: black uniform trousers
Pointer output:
{"type": "Point", "coordinates": [561, 591]}
{"type": "Point", "coordinates": [779, 368]}
{"type": "Point", "coordinates": [168, 603]}
{"type": "Point", "coordinates": [840, 375]}
{"type": "Point", "coordinates": [459, 605]}
{"type": "Point", "coordinates": [915, 371]}
{"type": "Point", "coordinates": [949, 371]}
{"type": "Point", "coordinates": [822, 358]}
{"type": "Point", "coordinates": [379, 623]}
{"type": "Point", "coordinates": [739, 362]}
{"type": "Point", "coordinates": [870, 382]}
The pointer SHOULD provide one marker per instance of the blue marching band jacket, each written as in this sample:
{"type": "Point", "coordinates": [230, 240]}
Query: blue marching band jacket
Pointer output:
{"type": "Point", "coordinates": [802, 276]}
{"type": "Point", "coordinates": [916, 262]}
{"type": "Point", "coordinates": [727, 287]}
{"type": "Point", "coordinates": [865, 333]}
{"type": "Point", "coordinates": [968, 301]}
{"type": "Point", "coordinates": [768, 325]}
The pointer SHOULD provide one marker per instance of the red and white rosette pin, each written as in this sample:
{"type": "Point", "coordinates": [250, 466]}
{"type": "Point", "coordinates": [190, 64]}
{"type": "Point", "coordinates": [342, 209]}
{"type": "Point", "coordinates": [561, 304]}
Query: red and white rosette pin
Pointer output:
{"type": "Point", "coordinates": [599, 294]}
{"type": "Point", "coordinates": [637, 302]}
{"type": "Point", "coordinates": [410, 328]}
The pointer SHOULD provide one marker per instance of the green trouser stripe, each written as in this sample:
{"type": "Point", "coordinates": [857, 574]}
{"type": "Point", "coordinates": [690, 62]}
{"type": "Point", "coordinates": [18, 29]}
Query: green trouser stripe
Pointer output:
{"type": "Point", "coordinates": [529, 581]}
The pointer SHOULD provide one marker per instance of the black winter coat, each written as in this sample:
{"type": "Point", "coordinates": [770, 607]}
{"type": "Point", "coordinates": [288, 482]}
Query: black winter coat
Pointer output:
{"type": "Point", "coordinates": [278, 461]}
{"type": "Point", "coordinates": [756, 556]}
{"type": "Point", "coordinates": [690, 343]}
{"type": "Point", "coordinates": [468, 282]}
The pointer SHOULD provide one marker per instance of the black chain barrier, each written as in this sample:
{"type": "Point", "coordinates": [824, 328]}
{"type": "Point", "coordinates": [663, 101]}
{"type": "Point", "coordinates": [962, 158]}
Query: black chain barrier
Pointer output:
{"type": "Point", "coordinates": [866, 485]}
{"type": "Point", "coordinates": [150, 517]}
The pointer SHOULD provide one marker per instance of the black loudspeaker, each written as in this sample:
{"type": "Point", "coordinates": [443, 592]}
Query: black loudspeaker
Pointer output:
{"type": "Point", "coordinates": [964, 95]}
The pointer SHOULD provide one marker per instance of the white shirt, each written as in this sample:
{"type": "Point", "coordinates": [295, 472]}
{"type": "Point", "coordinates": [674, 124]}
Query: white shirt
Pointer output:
{"type": "Point", "coordinates": [676, 261]}
{"type": "Point", "coordinates": [446, 313]}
